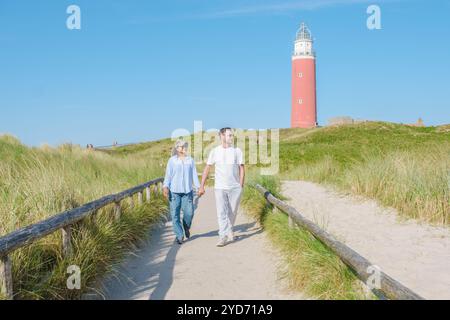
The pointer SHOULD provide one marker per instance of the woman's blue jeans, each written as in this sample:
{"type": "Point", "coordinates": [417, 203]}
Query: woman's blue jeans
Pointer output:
{"type": "Point", "coordinates": [184, 202]}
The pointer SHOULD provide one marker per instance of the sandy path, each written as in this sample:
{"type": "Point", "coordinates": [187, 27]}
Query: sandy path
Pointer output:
{"type": "Point", "coordinates": [416, 255]}
{"type": "Point", "coordinates": [161, 269]}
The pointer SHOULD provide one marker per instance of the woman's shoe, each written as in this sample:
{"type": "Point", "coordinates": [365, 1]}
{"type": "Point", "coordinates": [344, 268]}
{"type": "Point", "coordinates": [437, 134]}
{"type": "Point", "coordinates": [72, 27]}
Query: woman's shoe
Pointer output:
{"type": "Point", "coordinates": [187, 233]}
{"type": "Point", "coordinates": [179, 241]}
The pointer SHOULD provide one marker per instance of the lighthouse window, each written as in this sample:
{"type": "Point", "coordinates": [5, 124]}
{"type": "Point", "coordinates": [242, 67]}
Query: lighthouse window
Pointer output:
{"type": "Point", "coordinates": [300, 101]}
{"type": "Point", "coordinates": [300, 75]}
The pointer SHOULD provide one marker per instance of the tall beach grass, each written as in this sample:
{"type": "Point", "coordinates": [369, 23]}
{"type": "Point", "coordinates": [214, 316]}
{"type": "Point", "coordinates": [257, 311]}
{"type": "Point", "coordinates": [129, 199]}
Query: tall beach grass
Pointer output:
{"type": "Point", "coordinates": [404, 167]}
{"type": "Point", "coordinates": [36, 183]}
{"type": "Point", "coordinates": [415, 182]}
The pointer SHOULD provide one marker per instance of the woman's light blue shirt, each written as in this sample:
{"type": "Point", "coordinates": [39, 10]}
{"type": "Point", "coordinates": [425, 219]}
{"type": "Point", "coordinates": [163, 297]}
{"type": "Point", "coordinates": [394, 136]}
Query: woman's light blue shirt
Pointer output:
{"type": "Point", "coordinates": [181, 175]}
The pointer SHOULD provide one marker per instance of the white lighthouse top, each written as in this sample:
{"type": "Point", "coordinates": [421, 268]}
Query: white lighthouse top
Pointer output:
{"type": "Point", "coordinates": [303, 45]}
{"type": "Point", "coordinates": [303, 33]}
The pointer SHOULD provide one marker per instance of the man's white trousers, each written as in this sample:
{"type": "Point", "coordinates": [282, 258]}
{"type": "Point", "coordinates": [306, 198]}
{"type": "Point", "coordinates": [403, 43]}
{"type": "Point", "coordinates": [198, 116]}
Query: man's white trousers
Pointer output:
{"type": "Point", "coordinates": [227, 204]}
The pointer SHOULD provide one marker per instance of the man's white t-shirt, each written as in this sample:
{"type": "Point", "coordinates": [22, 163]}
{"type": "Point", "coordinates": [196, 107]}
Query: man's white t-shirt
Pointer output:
{"type": "Point", "coordinates": [227, 162]}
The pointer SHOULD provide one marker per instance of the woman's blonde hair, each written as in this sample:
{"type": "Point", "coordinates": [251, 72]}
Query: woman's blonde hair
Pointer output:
{"type": "Point", "coordinates": [179, 143]}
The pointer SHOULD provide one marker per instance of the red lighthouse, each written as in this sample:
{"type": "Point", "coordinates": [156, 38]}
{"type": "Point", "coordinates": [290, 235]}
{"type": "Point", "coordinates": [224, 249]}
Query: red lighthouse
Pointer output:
{"type": "Point", "coordinates": [304, 109]}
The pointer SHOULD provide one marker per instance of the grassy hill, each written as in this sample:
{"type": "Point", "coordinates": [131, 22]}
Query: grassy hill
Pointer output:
{"type": "Point", "coordinates": [401, 166]}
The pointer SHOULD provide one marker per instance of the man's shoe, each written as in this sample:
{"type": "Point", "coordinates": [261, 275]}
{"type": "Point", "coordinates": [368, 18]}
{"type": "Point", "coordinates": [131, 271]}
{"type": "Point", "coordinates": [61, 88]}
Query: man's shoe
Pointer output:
{"type": "Point", "coordinates": [222, 242]}
{"type": "Point", "coordinates": [178, 241]}
{"type": "Point", "coordinates": [231, 236]}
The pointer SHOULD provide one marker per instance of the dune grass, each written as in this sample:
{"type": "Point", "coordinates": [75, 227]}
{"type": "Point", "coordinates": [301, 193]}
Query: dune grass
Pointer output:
{"type": "Point", "coordinates": [407, 168]}
{"type": "Point", "coordinates": [311, 267]}
{"type": "Point", "coordinates": [404, 167]}
{"type": "Point", "coordinates": [36, 183]}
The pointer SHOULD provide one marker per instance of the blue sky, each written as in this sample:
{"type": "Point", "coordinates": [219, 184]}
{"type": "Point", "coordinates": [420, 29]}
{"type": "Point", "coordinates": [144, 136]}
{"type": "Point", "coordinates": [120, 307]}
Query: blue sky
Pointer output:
{"type": "Point", "coordinates": [137, 70]}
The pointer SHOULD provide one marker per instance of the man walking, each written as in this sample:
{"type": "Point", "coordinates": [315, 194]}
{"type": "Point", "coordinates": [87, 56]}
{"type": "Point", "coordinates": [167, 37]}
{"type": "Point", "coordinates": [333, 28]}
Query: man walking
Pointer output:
{"type": "Point", "coordinates": [229, 181]}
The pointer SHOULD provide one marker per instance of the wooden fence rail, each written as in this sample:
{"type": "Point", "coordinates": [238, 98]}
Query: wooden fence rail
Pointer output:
{"type": "Point", "coordinates": [388, 287]}
{"type": "Point", "coordinates": [62, 221]}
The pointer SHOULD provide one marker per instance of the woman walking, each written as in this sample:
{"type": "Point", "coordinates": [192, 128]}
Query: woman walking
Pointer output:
{"type": "Point", "coordinates": [181, 177]}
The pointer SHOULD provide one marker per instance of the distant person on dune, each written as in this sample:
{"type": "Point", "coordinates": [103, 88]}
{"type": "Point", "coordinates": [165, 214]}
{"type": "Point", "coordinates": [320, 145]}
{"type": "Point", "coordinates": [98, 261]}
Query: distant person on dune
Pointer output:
{"type": "Point", "coordinates": [181, 177]}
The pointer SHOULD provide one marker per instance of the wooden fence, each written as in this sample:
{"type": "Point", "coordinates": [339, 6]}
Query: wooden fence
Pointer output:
{"type": "Point", "coordinates": [388, 287]}
{"type": "Point", "coordinates": [64, 222]}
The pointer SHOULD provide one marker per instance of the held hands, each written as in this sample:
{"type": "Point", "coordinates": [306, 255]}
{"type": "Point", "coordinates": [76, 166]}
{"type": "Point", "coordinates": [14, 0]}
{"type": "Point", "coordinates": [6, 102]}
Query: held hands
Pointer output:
{"type": "Point", "coordinates": [201, 191]}
{"type": "Point", "coordinates": [166, 192]}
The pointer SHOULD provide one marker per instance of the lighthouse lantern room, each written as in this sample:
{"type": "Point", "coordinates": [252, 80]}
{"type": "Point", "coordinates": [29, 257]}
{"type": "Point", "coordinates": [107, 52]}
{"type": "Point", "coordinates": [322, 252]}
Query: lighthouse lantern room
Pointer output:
{"type": "Point", "coordinates": [303, 109]}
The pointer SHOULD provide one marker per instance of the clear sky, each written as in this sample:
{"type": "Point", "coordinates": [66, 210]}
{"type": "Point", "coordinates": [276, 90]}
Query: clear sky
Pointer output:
{"type": "Point", "coordinates": [137, 70]}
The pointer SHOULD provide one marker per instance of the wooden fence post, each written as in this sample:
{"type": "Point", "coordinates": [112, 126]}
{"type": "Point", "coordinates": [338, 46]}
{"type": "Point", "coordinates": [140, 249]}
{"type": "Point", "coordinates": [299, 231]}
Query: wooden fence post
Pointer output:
{"type": "Point", "coordinates": [131, 202]}
{"type": "Point", "coordinates": [6, 281]}
{"type": "Point", "coordinates": [140, 198]}
{"type": "Point", "coordinates": [67, 241]}
{"type": "Point", "coordinates": [147, 190]}
{"type": "Point", "coordinates": [94, 216]}
{"type": "Point", "coordinates": [290, 222]}
{"type": "Point", "coordinates": [117, 211]}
